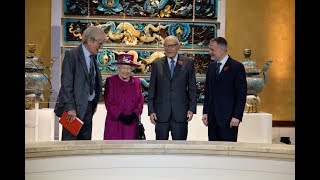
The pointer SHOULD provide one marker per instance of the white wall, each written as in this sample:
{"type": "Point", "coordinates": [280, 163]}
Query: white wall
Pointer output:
{"type": "Point", "coordinates": [158, 167]}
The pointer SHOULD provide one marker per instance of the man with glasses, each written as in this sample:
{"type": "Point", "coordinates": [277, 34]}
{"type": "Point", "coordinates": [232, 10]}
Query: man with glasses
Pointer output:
{"type": "Point", "coordinates": [81, 83]}
{"type": "Point", "coordinates": [172, 92]}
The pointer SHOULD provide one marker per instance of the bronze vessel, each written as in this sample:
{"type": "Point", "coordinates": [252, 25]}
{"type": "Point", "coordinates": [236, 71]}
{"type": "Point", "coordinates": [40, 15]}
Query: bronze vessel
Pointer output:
{"type": "Point", "coordinates": [255, 80]}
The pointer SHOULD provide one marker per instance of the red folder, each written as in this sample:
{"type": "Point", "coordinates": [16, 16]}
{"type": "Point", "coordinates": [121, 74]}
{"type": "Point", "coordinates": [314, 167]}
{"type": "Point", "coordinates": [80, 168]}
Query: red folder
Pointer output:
{"type": "Point", "coordinates": [73, 127]}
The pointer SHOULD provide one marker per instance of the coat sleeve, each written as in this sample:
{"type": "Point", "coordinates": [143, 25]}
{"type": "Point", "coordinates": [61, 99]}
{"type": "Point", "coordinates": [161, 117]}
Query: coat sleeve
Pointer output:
{"type": "Point", "coordinates": [152, 88]}
{"type": "Point", "coordinates": [192, 89]}
{"type": "Point", "coordinates": [67, 81]}
{"type": "Point", "coordinates": [140, 99]}
{"type": "Point", "coordinates": [206, 92]}
{"type": "Point", "coordinates": [241, 93]}
{"type": "Point", "coordinates": [109, 99]}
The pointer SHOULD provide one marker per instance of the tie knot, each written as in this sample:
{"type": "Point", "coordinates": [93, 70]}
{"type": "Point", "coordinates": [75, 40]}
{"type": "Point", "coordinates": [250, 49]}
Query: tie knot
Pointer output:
{"type": "Point", "coordinates": [218, 64]}
{"type": "Point", "coordinates": [172, 61]}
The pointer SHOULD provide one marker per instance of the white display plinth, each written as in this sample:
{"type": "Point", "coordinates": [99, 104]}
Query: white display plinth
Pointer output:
{"type": "Point", "coordinates": [39, 128]}
{"type": "Point", "coordinates": [256, 128]}
{"type": "Point", "coordinates": [197, 131]}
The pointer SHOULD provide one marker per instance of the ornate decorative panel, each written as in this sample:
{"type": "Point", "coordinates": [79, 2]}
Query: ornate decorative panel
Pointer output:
{"type": "Point", "coordinates": [166, 9]}
{"type": "Point", "coordinates": [139, 27]}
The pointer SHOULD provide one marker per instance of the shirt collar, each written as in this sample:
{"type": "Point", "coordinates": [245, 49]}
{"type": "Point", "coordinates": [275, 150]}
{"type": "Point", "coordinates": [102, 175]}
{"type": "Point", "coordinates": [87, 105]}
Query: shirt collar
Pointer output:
{"type": "Point", "coordinates": [85, 51]}
{"type": "Point", "coordinates": [175, 59]}
{"type": "Point", "coordinates": [224, 60]}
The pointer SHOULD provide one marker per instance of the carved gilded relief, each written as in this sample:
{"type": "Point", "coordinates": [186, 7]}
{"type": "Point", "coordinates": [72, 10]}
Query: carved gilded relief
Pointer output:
{"type": "Point", "coordinates": [142, 8]}
{"type": "Point", "coordinates": [75, 7]}
{"type": "Point", "coordinates": [206, 9]}
{"type": "Point", "coordinates": [138, 27]}
{"type": "Point", "coordinates": [106, 7]}
{"type": "Point", "coordinates": [159, 8]}
{"type": "Point", "coordinates": [151, 34]}
{"type": "Point", "coordinates": [145, 58]}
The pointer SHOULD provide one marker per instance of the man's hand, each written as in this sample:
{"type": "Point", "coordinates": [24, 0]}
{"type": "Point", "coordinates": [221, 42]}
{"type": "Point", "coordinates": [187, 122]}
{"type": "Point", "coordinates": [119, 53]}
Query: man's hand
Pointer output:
{"type": "Point", "coordinates": [189, 115]}
{"type": "Point", "coordinates": [234, 122]}
{"type": "Point", "coordinates": [72, 114]}
{"type": "Point", "coordinates": [153, 118]}
{"type": "Point", "coordinates": [205, 119]}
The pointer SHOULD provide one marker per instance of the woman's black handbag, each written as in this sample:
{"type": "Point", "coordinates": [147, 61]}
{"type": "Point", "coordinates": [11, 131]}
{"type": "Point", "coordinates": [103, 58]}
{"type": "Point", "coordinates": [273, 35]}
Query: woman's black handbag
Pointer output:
{"type": "Point", "coordinates": [140, 130]}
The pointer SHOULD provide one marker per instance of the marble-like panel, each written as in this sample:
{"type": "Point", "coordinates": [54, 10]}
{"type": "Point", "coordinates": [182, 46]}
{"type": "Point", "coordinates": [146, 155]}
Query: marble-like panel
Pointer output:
{"type": "Point", "coordinates": [137, 167]}
{"type": "Point", "coordinates": [172, 147]}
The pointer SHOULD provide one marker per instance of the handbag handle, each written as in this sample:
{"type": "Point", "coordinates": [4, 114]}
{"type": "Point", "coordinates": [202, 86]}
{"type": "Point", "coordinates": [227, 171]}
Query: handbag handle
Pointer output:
{"type": "Point", "coordinates": [139, 118]}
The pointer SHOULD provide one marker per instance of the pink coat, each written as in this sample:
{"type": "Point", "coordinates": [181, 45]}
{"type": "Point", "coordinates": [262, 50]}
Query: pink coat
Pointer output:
{"type": "Point", "coordinates": [122, 97]}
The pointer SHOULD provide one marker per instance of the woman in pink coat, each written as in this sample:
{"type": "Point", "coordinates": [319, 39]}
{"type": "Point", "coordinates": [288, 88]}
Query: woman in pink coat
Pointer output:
{"type": "Point", "coordinates": [123, 100]}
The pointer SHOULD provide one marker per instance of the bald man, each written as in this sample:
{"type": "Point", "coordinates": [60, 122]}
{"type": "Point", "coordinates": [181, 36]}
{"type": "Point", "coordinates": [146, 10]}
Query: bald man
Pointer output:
{"type": "Point", "coordinates": [172, 92]}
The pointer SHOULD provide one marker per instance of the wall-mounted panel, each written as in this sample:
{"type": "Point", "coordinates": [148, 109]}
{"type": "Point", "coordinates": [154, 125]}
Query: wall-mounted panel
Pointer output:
{"type": "Point", "coordinates": [166, 9]}
{"type": "Point", "coordinates": [106, 57]}
{"type": "Point", "coordinates": [139, 27]}
{"type": "Point", "coordinates": [141, 34]}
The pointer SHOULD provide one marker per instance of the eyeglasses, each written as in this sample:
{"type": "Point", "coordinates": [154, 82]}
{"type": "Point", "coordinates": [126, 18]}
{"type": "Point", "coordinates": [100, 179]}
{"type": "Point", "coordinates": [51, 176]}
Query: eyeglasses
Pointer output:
{"type": "Point", "coordinates": [169, 46]}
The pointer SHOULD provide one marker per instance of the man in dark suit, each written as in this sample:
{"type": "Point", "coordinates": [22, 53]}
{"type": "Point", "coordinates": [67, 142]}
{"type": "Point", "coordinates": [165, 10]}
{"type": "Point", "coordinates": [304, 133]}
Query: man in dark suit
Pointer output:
{"type": "Point", "coordinates": [81, 83]}
{"type": "Point", "coordinates": [225, 93]}
{"type": "Point", "coordinates": [172, 92]}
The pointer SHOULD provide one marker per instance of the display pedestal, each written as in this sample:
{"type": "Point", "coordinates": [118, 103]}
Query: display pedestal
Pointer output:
{"type": "Point", "coordinates": [256, 128]}
{"type": "Point", "coordinates": [39, 125]}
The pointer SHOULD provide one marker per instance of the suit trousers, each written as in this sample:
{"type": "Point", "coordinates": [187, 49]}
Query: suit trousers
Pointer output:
{"type": "Point", "coordinates": [222, 133]}
{"type": "Point", "coordinates": [179, 130]}
{"type": "Point", "coordinates": [86, 130]}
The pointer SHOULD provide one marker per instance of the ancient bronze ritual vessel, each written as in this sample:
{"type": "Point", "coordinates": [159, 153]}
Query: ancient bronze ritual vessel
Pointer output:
{"type": "Point", "coordinates": [256, 79]}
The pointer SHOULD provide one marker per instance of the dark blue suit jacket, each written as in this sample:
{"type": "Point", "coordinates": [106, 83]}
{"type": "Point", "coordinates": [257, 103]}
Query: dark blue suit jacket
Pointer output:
{"type": "Point", "coordinates": [225, 95]}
